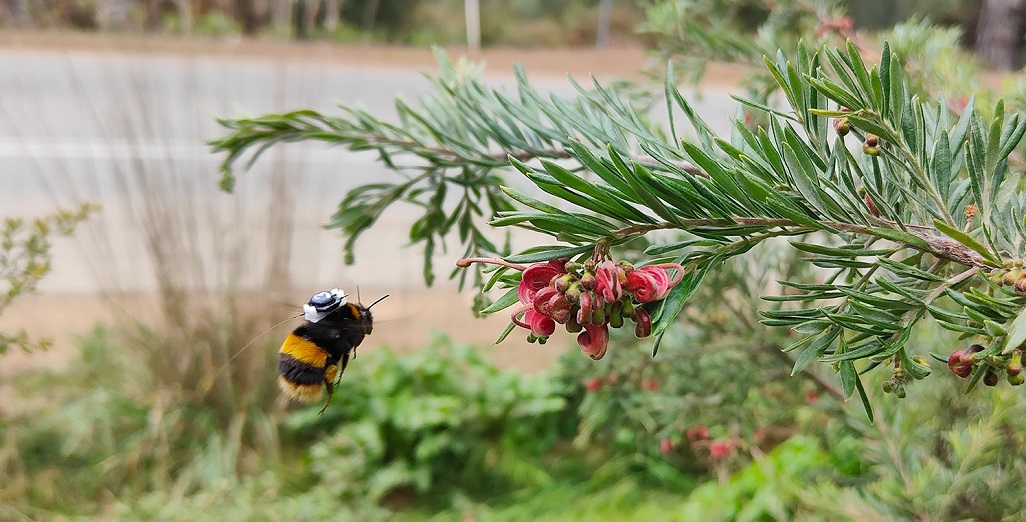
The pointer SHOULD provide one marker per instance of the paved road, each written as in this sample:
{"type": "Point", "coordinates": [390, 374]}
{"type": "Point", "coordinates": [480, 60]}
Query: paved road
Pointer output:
{"type": "Point", "coordinates": [128, 131]}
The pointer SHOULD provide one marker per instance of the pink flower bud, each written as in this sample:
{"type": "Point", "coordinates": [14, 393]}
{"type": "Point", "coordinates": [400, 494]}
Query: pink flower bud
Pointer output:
{"type": "Point", "coordinates": [643, 328]}
{"type": "Point", "coordinates": [666, 446]}
{"type": "Point", "coordinates": [607, 281]}
{"type": "Point", "coordinates": [720, 449]}
{"type": "Point", "coordinates": [697, 433]}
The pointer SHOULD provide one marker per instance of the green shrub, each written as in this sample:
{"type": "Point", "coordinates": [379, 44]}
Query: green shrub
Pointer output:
{"type": "Point", "coordinates": [132, 414]}
{"type": "Point", "coordinates": [436, 422]}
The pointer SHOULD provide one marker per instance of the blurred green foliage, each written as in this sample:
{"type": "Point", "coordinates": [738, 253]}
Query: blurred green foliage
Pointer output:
{"type": "Point", "coordinates": [442, 433]}
{"type": "Point", "coordinates": [26, 258]}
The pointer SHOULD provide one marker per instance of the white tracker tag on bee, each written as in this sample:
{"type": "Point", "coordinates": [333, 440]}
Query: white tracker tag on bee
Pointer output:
{"type": "Point", "coordinates": [322, 304]}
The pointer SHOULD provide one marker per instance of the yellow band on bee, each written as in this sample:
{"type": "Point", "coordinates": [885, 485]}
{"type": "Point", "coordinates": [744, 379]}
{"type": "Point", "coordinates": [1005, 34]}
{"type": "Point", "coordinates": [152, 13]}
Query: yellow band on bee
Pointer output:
{"type": "Point", "coordinates": [301, 392]}
{"type": "Point", "coordinates": [304, 351]}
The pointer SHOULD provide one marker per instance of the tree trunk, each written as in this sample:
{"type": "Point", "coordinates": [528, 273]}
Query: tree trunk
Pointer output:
{"type": "Point", "coordinates": [20, 13]}
{"type": "Point", "coordinates": [153, 18]}
{"type": "Point", "coordinates": [370, 16]}
{"type": "Point", "coordinates": [605, 19]}
{"type": "Point", "coordinates": [245, 11]}
{"type": "Point", "coordinates": [999, 34]}
{"type": "Point", "coordinates": [281, 15]}
{"type": "Point", "coordinates": [185, 14]}
{"type": "Point", "coordinates": [306, 17]}
{"type": "Point", "coordinates": [332, 9]}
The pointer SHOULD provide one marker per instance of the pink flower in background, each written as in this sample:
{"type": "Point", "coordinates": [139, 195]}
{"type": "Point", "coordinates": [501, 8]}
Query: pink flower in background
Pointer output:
{"type": "Point", "coordinates": [721, 449]}
{"type": "Point", "coordinates": [666, 446]}
{"type": "Point", "coordinates": [699, 432]}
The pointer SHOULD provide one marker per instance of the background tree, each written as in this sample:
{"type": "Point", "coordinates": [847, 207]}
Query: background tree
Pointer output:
{"type": "Point", "coordinates": [999, 37]}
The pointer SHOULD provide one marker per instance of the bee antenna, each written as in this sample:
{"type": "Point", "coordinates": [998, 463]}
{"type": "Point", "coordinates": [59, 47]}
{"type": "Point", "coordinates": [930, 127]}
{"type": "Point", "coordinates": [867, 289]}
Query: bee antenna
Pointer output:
{"type": "Point", "coordinates": [210, 381]}
{"type": "Point", "coordinates": [380, 299]}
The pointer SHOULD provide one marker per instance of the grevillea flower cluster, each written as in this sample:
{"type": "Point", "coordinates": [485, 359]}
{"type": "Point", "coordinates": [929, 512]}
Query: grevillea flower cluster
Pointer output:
{"type": "Point", "coordinates": [588, 298]}
{"type": "Point", "coordinates": [963, 362]}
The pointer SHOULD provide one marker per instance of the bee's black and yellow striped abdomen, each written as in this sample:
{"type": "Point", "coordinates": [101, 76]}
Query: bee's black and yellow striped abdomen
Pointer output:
{"type": "Point", "coordinates": [301, 366]}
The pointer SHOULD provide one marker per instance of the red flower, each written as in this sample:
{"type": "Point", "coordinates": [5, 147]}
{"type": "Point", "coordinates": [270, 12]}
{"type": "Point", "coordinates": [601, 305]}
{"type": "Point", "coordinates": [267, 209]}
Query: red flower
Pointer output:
{"type": "Point", "coordinates": [607, 281]}
{"type": "Point", "coordinates": [652, 282]}
{"type": "Point", "coordinates": [650, 384]}
{"type": "Point", "coordinates": [698, 433]}
{"type": "Point", "coordinates": [594, 340]}
{"type": "Point", "coordinates": [537, 277]}
{"type": "Point", "coordinates": [593, 384]}
{"type": "Point", "coordinates": [540, 325]}
{"type": "Point", "coordinates": [549, 302]}
{"type": "Point", "coordinates": [720, 449]}
{"type": "Point", "coordinates": [666, 446]}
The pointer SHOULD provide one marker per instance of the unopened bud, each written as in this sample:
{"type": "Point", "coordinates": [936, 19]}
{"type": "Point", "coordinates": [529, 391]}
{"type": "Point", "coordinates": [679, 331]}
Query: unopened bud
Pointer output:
{"type": "Point", "coordinates": [1010, 277]}
{"type": "Point", "coordinates": [643, 326]}
{"type": "Point", "coordinates": [990, 379]}
{"type": "Point", "coordinates": [842, 126]}
{"type": "Point", "coordinates": [585, 311]}
{"type": "Point", "coordinates": [628, 309]}
{"type": "Point", "coordinates": [956, 365]}
{"type": "Point", "coordinates": [1015, 365]}
{"type": "Point", "coordinates": [967, 354]}
{"type": "Point", "coordinates": [563, 283]}
{"type": "Point", "coordinates": [616, 314]}
{"type": "Point", "coordinates": [572, 325]}
{"type": "Point", "coordinates": [997, 277]}
{"type": "Point", "coordinates": [871, 146]}
{"type": "Point", "coordinates": [871, 206]}
{"type": "Point", "coordinates": [1020, 284]}
{"type": "Point", "coordinates": [573, 294]}
{"type": "Point", "coordinates": [588, 280]}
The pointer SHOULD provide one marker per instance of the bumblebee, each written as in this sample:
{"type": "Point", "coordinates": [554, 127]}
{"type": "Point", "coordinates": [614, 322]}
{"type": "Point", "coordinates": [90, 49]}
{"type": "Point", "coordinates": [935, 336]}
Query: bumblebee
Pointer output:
{"type": "Point", "coordinates": [314, 356]}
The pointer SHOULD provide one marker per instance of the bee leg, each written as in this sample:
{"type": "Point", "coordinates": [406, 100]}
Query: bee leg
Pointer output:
{"type": "Point", "coordinates": [331, 389]}
{"type": "Point", "coordinates": [345, 362]}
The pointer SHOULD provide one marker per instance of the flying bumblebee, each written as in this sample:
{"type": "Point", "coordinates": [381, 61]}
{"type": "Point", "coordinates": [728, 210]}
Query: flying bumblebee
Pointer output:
{"type": "Point", "coordinates": [316, 353]}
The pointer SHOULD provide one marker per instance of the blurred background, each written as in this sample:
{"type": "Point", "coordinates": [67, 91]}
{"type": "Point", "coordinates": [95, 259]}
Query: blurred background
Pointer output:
{"type": "Point", "coordinates": [135, 411]}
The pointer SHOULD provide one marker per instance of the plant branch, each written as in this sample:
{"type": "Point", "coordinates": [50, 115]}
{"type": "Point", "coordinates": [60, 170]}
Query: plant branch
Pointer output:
{"type": "Point", "coordinates": [941, 247]}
